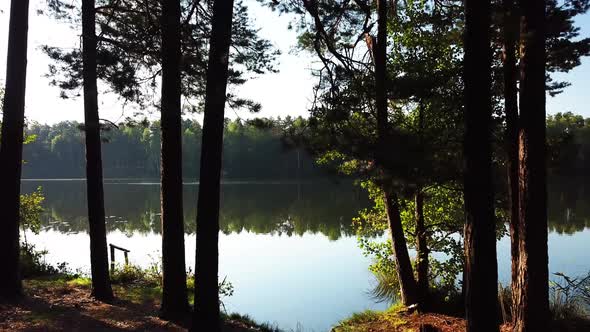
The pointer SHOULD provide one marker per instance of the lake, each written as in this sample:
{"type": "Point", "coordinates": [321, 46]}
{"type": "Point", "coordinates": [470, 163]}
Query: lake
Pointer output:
{"type": "Point", "coordinates": [288, 248]}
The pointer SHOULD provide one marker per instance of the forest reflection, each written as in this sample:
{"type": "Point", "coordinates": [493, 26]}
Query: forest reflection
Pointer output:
{"type": "Point", "coordinates": [289, 208]}
{"type": "Point", "coordinates": [263, 208]}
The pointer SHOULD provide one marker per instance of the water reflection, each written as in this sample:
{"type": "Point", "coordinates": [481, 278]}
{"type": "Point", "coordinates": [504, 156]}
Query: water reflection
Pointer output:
{"type": "Point", "coordinates": [569, 211]}
{"type": "Point", "coordinates": [261, 208]}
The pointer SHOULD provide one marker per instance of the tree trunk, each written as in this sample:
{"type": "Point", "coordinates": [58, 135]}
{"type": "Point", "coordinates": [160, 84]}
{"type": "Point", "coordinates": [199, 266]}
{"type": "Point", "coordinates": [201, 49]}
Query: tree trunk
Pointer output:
{"type": "Point", "coordinates": [99, 265]}
{"type": "Point", "coordinates": [481, 272]}
{"type": "Point", "coordinates": [422, 250]}
{"type": "Point", "coordinates": [174, 293]}
{"type": "Point", "coordinates": [511, 137]}
{"type": "Point", "coordinates": [532, 307]}
{"type": "Point", "coordinates": [207, 257]}
{"type": "Point", "coordinates": [400, 249]}
{"type": "Point", "coordinates": [405, 273]}
{"type": "Point", "coordinates": [11, 149]}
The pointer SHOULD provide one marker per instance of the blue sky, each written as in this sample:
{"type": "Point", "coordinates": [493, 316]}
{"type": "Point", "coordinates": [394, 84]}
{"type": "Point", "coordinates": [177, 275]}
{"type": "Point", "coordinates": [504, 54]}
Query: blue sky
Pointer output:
{"type": "Point", "coordinates": [288, 92]}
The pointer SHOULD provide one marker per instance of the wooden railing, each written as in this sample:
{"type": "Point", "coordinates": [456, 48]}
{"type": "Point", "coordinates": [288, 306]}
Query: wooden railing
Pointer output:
{"type": "Point", "coordinates": [125, 253]}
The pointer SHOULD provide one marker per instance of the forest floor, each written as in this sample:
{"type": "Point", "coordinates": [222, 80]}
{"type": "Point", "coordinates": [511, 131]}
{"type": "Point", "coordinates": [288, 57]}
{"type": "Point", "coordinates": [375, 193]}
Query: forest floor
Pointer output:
{"type": "Point", "coordinates": [54, 304]}
{"type": "Point", "coordinates": [64, 304]}
{"type": "Point", "coordinates": [399, 319]}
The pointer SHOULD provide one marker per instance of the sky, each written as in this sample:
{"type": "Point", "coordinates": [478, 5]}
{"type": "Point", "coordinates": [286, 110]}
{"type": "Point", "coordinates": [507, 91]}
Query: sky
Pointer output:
{"type": "Point", "coordinates": [288, 92]}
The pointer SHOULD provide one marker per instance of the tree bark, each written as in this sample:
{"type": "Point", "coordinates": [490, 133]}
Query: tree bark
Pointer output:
{"type": "Point", "coordinates": [481, 272]}
{"type": "Point", "coordinates": [11, 149]}
{"type": "Point", "coordinates": [532, 307]}
{"type": "Point", "coordinates": [206, 316]}
{"type": "Point", "coordinates": [174, 293]}
{"type": "Point", "coordinates": [101, 286]}
{"type": "Point", "coordinates": [511, 137]}
{"type": "Point", "coordinates": [422, 250]}
{"type": "Point", "coordinates": [405, 273]}
{"type": "Point", "coordinates": [400, 249]}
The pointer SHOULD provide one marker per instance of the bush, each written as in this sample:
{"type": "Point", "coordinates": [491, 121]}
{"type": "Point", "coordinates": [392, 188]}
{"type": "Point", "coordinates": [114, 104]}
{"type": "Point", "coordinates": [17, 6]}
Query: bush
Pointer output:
{"type": "Point", "coordinates": [570, 303]}
{"type": "Point", "coordinates": [33, 264]}
{"type": "Point", "coordinates": [132, 274]}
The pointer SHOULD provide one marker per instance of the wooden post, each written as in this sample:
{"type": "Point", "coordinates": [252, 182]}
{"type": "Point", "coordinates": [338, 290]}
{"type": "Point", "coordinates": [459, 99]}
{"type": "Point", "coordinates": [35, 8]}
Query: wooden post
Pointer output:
{"type": "Point", "coordinates": [112, 257]}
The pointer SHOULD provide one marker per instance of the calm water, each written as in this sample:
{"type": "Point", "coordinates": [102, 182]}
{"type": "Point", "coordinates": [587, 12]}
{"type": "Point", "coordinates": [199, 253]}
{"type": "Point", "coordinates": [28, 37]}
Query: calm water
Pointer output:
{"type": "Point", "coordinates": [288, 248]}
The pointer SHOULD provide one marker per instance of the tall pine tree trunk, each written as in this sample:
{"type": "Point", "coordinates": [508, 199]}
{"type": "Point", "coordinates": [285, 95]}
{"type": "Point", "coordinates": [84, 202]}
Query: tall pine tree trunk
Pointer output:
{"type": "Point", "coordinates": [206, 316]}
{"type": "Point", "coordinates": [400, 249]}
{"type": "Point", "coordinates": [405, 274]}
{"type": "Point", "coordinates": [532, 306]}
{"type": "Point", "coordinates": [481, 273]}
{"type": "Point", "coordinates": [421, 249]}
{"type": "Point", "coordinates": [99, 265]}
{"type": "Point", "coordinates": [11, 148]}
{"type": "Point", "coordinates": [174, 293]}
{"type": "Point", "coordinates": [511, 137]}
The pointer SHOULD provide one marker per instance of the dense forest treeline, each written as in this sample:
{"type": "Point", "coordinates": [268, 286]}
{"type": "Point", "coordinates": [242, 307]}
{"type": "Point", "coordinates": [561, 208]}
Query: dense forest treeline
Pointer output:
{"type": "Point", "coordinates": [568, 142]}
{"type": "Point", "coordinates": [259, 150]}
{"type": "Point", "coordinates": [252, 150]}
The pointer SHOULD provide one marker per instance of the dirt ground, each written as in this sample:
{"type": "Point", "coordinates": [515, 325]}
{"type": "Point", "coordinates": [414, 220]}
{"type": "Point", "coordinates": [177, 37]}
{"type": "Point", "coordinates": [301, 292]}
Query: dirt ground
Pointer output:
{"type": "Point", "coordinates": [71, 308]}
{"type": "Point", "coordinates": [404, 321]}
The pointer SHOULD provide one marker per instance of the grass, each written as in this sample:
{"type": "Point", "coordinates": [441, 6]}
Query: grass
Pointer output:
{"type": "Point", "coordinates": [247, 320]}
{"type": "Point", "coordinates": [360, 321]}
{"type": "Point", "coordinates": [135, 288]}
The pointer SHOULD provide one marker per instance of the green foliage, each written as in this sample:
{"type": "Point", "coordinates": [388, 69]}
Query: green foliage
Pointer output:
{"type": "Point", "coordinates": [133, 274]}
{"type": "Point", "coordinates": [361, 317]}
{"type": "Point", "coordinates": [148, 281]}
{"type": "Point", "coordinates": [250, 323]}
{"type": "Point", "coordinates": [444, 223]}
{"type": "Point", "coordinates": [31, 208]}
{"type": "Point", "coordinates": [33, 264]}
{"type": "Point", "coordinates": [251, 151]}
{"type": "Point", "coordinates": [443, 217]}
{"type": "Point", "coordinates": [386, 288]}
{"type": "Point", "coordinates": [226, 288]}
{"type": "Point", "coordinates": [129, 54]}
{"type": "Point", "coordinates": [31, 205]}
{"type": "Point", "coordinates": [564, 47]}
{"type": "Point", "coordinates": [568, 140]}
{"type": "Point", "coordinates": [358, 320]}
